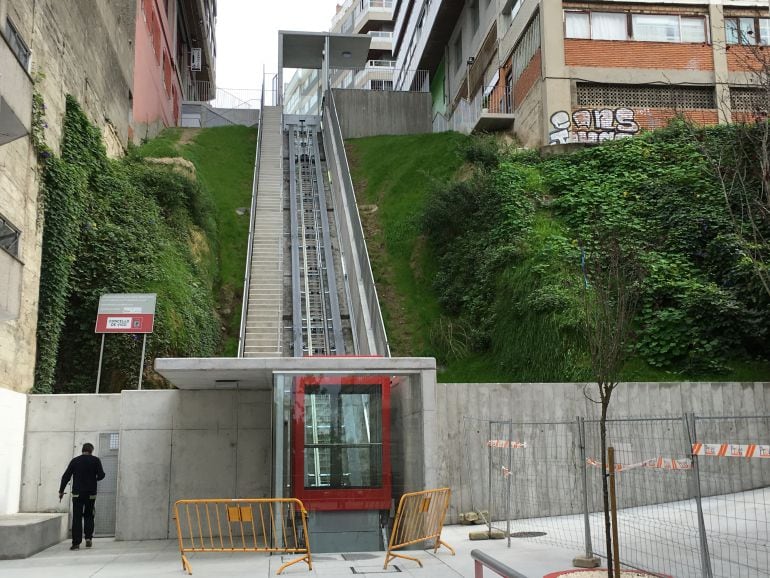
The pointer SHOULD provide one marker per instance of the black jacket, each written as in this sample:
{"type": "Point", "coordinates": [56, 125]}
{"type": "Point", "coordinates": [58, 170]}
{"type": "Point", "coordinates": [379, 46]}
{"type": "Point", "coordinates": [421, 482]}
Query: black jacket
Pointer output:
{"type": "Point", "coordinates": [87, 470]}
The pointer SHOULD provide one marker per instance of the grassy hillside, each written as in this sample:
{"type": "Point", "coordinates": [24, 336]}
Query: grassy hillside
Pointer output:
{"type": "Point", "coordinates": [224, 162]}
{"type": "Point", "coordinates": [477, 254]}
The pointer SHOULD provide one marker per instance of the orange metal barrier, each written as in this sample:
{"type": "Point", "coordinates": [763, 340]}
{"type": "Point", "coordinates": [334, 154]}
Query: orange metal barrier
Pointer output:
{"type": "Point", "coordinates": [420, 517]}
{"type": "Point", "coordinates": [248, 525]}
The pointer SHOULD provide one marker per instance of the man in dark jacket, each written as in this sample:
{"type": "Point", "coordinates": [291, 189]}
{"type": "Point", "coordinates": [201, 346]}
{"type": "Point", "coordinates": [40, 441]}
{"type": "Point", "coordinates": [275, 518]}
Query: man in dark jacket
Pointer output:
{"type": "Point", "coordinates": [87, 470]}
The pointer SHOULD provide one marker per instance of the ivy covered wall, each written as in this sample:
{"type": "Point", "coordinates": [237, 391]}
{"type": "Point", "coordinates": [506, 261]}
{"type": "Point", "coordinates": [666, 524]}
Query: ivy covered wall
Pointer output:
{"type": "Point", "coordinates": [120, 226]}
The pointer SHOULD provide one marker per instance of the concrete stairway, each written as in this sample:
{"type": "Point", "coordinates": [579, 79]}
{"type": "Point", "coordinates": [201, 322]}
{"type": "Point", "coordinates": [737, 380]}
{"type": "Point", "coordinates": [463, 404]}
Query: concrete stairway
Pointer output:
{"type": "Point", "coordinates": [265, 291]}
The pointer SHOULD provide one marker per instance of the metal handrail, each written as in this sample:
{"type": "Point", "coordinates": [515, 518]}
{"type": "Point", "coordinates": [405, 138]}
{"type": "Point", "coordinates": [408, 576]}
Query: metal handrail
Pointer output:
{"type": "Point", "coordinates": [254, 190]}
{"type": "Point", "coordinates": [482, 559]}
{"type": "Point", "coordinates": [346, 187]}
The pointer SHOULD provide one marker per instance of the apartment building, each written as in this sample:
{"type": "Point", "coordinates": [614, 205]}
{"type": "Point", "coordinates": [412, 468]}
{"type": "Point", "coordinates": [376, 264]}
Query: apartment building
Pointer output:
{"type": "Point", "coordinates": [556, 71]}
{"type": "Point", "coordinates": [175, 61]}
{"type": "Point", "coordinates": [371, 17]}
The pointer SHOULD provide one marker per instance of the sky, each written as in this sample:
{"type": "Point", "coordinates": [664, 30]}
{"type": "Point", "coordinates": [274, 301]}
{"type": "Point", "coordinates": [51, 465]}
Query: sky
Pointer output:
{"type": "Point", "coordinates": [247, 35]}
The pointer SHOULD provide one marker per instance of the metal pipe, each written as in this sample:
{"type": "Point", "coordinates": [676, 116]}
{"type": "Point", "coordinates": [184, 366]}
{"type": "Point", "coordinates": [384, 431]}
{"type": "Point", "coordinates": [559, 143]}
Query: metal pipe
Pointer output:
{"type": "Point", "coordinates": [481, 558]}
{"type": "Point", "coordinates": [614, 513]}
{"type": "Point", "coordinates": [584, 482]}
{"type": "Point", "coordinates": [99, 371]}
{"type": "Point", "coordinates": [705, 557]}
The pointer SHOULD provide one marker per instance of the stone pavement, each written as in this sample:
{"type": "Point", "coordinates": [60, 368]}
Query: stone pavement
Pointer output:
{"type": "Point", "coordinates": [111, 559]}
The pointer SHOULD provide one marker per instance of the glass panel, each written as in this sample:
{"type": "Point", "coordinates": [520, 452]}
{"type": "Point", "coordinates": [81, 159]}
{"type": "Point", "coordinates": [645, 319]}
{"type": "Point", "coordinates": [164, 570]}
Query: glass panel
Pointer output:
{"type": "Point", "coordinates": [656, 27]}
{"type": "Point", "coordinates": [578, 24]}
{"type": "Point", "coordinates": [608, 26]}
{"type": "Point", "coordinates": [747, 33]}
{"type": "Point", "coordinates": [731, 30]}
{"type": "Point", "coordinates": [9, 238]}
{"type": "Point", "coordinates": [693, 29]}
{"type": "Point", "coordinates": [343, 436]}
{"type": "Point", "coordinates": [764, 30]}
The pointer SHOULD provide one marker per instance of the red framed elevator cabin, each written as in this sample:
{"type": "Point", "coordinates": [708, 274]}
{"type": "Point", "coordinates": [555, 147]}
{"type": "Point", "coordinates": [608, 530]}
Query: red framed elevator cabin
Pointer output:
{"type": "Point", "coordinates": [341, 443]}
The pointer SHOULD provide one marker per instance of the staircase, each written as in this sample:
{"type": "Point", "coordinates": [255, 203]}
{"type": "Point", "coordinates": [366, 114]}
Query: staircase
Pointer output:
{"type": "Point", "coordinates": [262, 336]}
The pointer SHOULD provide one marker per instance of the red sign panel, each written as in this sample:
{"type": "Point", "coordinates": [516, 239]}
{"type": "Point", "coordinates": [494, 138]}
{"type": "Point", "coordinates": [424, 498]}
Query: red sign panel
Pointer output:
{"type": "Point", "coordinates": [124, 323]}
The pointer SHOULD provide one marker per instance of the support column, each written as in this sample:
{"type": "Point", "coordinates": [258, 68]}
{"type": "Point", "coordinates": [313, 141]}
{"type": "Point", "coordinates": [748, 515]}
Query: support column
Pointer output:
{"type": "Point", "coordinates": [557, 94]}
{"type": "Point", "coordinates": [721, 72]}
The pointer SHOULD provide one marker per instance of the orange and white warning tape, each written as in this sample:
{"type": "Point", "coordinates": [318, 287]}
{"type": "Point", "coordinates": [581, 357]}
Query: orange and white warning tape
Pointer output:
{"type": "Point", "coordinates": [731, 450]}
{"type": "Point", "coordinates": [506, 444]}
{"type": "Point", "coordinates": [658, 463]}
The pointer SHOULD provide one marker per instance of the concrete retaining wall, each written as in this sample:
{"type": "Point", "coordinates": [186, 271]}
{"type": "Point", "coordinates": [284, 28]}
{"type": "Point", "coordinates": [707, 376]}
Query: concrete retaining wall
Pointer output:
{"type": "Point", "coordinates": [189, 444]}
{"type": "Point", "coordinates": [373, 112]}
{"type": "Point", "coordinates": [57, 428]}
{"type": "Point", "coordinates": [524, 402]}
{"type": "Point", "coordinates": [13, 408]}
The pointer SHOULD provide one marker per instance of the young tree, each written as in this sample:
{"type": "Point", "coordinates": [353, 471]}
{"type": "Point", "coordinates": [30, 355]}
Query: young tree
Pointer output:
{"type": "Point", "coordinates": [612, 280]}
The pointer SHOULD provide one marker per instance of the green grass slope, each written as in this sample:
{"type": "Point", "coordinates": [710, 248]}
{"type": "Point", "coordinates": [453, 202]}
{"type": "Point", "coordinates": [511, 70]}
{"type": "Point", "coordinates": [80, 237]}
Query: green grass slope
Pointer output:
{"type": "Point", "coordinates": [224, 162]}
{"type": "Point", "coordinates": [477, 261]}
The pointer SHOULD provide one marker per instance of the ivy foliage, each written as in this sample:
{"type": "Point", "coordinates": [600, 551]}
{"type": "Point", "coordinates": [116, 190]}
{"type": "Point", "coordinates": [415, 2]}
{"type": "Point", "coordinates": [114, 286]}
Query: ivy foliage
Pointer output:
{"type": "Point", "coordinates": [120, 226]}
{"type": "Point", "coordinates": [510, 239]}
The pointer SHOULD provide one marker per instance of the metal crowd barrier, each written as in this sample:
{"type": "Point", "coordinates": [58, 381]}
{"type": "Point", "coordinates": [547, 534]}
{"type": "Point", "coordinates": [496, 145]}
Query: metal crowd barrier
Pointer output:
{"type": "Point", "coordinates": [249, 525]}
{"type": "Point", "coordinates": [419, 518]}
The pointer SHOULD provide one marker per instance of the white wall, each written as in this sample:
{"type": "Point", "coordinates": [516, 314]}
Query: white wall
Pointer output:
{"type": "Point", "coordinates": [13, 412]}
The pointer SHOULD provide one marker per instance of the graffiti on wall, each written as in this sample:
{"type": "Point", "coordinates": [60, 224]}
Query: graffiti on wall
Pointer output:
{"type": "Point", "coordinates": [593, 125]}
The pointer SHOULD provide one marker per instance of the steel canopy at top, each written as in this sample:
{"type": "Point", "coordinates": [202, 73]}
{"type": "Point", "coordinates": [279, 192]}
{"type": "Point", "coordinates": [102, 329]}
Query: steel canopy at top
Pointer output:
{"type": "Point", "coordinates": [306, 49]}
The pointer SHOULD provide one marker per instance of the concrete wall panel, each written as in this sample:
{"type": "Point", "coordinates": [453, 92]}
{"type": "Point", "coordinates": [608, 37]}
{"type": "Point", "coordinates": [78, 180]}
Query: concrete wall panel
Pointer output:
{"type": "Point", "coordinates": [144, 466]}
{"type": "Point", "coordinates": [371, 112]}
{"type": "Point", "coordinates": [13, 408]}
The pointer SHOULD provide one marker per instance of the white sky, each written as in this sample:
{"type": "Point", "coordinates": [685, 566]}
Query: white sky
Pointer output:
{"type": "Point", "coordinates": [247, 35]}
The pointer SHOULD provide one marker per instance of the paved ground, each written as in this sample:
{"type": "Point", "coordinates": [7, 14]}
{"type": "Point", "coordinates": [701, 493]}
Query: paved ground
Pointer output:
{"type": "Point", "coordinates": [111, 559]}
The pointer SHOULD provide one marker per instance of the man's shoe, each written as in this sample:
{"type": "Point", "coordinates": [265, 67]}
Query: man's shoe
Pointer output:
{"type": "Point", "coordinates": [88, 543]}
{"type": "Point", "coordinates": [75, 547]}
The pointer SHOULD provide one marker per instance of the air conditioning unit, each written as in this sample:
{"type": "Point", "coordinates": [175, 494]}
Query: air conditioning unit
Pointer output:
{"type": "Point", "coordinates": [196, 59]}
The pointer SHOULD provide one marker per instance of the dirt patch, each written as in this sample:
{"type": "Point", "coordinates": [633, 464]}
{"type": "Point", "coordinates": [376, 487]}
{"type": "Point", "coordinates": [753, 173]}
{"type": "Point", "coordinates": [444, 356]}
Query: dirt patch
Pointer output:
{"type": "Point", "coordinates": [188, 135]}
{"type": "Point", "coordinates": [177, 164]}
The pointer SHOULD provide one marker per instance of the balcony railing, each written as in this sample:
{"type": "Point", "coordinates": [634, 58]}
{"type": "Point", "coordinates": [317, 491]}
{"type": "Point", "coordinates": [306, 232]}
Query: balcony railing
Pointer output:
{"type": "Point", "coordinates": [378, 77]}
{"type": "Point", "coordinates": [380, 64]}
{"type": "Point", "coordinates": [380, 34]}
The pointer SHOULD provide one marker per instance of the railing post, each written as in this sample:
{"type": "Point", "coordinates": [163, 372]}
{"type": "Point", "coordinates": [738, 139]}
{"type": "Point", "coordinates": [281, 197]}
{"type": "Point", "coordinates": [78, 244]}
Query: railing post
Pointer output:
{"type": "Point", "coordinates": [510, 481]}
{"type": "Point", "coordinates": [588, 560]}
{"type": "Point", "coordinates": [695, 491]}
{"type": "Point", "coordinates": [489, 480]}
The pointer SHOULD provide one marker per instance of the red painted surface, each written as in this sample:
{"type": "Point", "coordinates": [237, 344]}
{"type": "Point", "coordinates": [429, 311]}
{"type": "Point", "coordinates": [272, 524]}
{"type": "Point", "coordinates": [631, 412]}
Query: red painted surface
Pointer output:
{"type": "Point", "coordinates": [124, 323]}
{"type": "Point", "coordinates": [156, 82]}
{"type": "Point", "coordinates": [348, 498]}
{"type": "Point", "coordinates": [563, 573]}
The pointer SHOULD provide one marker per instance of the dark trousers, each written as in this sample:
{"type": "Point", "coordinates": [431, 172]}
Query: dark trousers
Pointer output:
{"type": "Point", "coordinates": [82, 515]}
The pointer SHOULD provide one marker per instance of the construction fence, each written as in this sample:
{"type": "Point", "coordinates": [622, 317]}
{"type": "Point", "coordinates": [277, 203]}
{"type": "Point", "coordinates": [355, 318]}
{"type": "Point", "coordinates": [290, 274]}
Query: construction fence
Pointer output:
{"type": "Point", "coordinates": [693, 492]}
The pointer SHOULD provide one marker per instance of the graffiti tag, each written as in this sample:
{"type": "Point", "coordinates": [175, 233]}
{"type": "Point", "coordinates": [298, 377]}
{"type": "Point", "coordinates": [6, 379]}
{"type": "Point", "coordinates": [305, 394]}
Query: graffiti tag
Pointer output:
{"type": "Point", "coordinates": [592, 125]}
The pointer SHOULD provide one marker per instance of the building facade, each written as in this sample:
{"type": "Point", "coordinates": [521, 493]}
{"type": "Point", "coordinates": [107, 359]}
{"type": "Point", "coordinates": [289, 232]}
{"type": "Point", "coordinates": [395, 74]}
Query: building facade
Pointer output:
{"type": "Point", "coordinates": [175, 56]}
{"type": "Point", "coordinates": [54, 48]}
{"type": "Point", "coordinates": [590, 71]}
{"type": "Point", "coordinates": [97, 51]}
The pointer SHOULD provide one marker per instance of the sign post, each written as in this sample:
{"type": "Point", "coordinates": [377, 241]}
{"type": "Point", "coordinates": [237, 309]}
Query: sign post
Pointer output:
{"type": "Point", "coordinates": [125, 313]}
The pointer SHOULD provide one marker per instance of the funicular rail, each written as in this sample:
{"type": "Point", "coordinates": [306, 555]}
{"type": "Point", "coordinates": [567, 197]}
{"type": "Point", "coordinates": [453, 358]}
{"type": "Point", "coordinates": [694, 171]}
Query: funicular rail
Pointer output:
{"type": "Point", "coordinates": [316, 319]}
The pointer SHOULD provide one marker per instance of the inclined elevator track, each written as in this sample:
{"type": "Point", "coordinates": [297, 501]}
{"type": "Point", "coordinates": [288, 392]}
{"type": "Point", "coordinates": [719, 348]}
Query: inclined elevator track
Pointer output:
{"type": "Point", "coordinates": [316, 319]}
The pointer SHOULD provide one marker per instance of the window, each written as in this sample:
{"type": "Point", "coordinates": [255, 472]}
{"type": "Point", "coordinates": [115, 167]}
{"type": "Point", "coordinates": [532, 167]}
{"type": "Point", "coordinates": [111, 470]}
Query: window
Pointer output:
{"type": "Point", "coordinates": [693, 29]}
{"type": "Point", "coordinates": [643, 27]}
{"type": "Point", "coordinates": [343, 436]}
{"type": "Point", "coordinates": [457, 53]}
{"type": "Point", "coordinates": [475, 15]}
{"type": "Point", "coordinates": [9, 238]}
{"type": "Point", "coordinates": [656, 27]}
{"type": "Point", "coordinates": [609, 26]}
{"type": "Point", "coordinates": [17, 44]}
{"type": "Point", "coordinates": [747, 30]}
{"type": "Point", "coordinates": [578, 24]}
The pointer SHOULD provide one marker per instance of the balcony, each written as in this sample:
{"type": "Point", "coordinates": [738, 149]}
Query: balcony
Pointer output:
{"type": "Point", "coordinates": [371, 12]}
{"type": "Point", "coordinates": [15, 95]}
{"type": "Point", "coordinates": [381, 40]}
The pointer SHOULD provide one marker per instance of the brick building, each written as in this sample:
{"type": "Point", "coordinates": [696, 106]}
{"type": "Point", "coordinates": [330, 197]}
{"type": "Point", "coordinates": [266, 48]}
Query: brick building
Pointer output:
{"type": "Point", "coordinates": [570, 71]}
